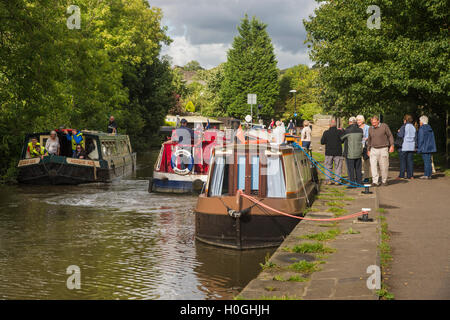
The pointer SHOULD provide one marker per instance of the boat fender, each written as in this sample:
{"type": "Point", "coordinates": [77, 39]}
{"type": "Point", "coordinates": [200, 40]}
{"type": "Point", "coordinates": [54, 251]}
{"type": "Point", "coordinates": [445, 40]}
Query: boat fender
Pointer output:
{"type": "Point", "coordinates": [173, 161]}
{"type": "Point", "coordinates": [197, 185]}
{"type": "Point", "coordinates": [150, 185]}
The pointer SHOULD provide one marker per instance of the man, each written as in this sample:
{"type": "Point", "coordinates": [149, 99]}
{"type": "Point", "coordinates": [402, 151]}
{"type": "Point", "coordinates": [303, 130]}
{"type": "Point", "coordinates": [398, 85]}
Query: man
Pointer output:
{"type": "Point", "coordinates": [39, 152]}
{"type": "Point", "coordinates": [353, 150]}
{"type": "Point", "coordinates": [185, 137]}
{"type": "Point", "coordinates": [379, 144]}
{"type": "Point", "coordinates": [360, 120]}
{"type": "Point", "coordinates": [76, 138]}
{"type": "Point", "coordinates": [331, 138]}
{"type": "Point", "coordinates": [112, 125]}
{"type": "Point", "coordinates": [32, 146]}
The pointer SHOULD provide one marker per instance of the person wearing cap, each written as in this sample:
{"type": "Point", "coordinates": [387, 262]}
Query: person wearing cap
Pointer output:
{"type": "Point", "coordinates": [353, 150]}
{"type": "Point", "coordinates": [112, 125]}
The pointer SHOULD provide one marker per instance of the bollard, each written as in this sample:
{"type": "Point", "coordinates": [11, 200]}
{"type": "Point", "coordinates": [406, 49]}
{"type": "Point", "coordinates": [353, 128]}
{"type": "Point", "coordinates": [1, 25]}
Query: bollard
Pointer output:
{"type": "Point", "coordinates": [366, 189]}
{"type": "Point", "coordinates": [365, 216]}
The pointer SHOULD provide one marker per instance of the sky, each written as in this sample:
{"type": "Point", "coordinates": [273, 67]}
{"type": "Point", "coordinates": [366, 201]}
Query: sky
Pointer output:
{"type": "Point", "coordinates": [203, 30]}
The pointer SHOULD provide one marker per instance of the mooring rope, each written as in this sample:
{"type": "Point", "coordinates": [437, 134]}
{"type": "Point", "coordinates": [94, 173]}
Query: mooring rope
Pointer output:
{"type": "Point", "coordinates": [318, 165]}
{"type": "Point", "coordinates": [256, 201]}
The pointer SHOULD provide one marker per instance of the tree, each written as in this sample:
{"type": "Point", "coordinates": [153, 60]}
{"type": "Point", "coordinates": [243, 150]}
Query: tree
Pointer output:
{"type": "Point", "coordinates": [193, 66]}
{"type": "Point", "coordinates": [251, 67]}
{"type": "Point", "coordinates": [401, 67]}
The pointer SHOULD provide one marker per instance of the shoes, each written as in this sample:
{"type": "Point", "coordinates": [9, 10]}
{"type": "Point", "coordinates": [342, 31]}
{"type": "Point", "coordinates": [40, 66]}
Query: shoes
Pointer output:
{"type": "Point", "coordinates": [424, 177]}
{"type": "Point", "coordinates": [375, 184]}
{"type": "Point", "coordinates": [384, 184]}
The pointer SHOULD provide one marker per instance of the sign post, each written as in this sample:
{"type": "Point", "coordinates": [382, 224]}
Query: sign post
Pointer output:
{"type": "Point", "coordinates": [251, 100]}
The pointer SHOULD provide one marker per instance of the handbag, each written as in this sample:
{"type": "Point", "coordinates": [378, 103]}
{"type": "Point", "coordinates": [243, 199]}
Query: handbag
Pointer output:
{"type": "Point", "coordinates": [398, 142]}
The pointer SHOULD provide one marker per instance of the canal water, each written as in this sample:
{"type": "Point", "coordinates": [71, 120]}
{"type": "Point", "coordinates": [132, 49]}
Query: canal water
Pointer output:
{"type": "Point", "coordinates": [127, 243]}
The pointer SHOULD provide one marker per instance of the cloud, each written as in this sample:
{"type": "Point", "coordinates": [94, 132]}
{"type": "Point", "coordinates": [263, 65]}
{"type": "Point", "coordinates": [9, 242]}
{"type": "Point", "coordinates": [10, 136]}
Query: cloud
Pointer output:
{"type": "Point", "coordinates": [205, 27]}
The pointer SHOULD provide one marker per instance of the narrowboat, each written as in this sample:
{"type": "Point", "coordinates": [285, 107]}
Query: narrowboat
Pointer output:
{"type": "Point", "coordinates": [242, 176]}
{"type": "Point", "coordinates": [184, 168]}
{"type": "Point", "coordinates": [109, 157]}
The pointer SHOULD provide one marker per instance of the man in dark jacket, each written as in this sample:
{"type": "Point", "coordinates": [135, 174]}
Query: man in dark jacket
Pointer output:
{"type": "Point", "coordinates": [353, 150]}
{"type": "Point", "coordinates": [426, 145]}
{"type": "Point", "coordinates": [331, 138]}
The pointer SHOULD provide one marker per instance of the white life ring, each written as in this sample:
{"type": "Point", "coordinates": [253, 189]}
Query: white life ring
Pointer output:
{"type": "Point", "coordinates": [173, 162]}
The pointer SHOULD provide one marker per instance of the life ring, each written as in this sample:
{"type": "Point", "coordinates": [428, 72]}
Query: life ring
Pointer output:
{"type": "Point", "coordinates": [173, 162]}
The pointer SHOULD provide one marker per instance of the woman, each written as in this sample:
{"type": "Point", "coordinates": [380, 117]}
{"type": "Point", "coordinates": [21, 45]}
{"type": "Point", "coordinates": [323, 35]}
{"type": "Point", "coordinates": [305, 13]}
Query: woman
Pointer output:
{"type": "Point", "coordinates": [406, 152]}
{"type": "Point", "coordinates": [79, 152]}
{"type": "Point", "coordinates": [306, 135]}
{"type": "Point", "coordinates": [52, 144]}
{"type": "Point", "coordinates": [426, 145]}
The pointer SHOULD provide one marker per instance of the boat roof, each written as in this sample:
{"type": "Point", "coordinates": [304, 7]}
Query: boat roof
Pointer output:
{"type": "Point", "coordinates": [87, 132]}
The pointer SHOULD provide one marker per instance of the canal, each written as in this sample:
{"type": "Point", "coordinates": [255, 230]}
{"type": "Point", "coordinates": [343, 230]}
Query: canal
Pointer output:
{"type": "Point", "coordinates": [128, 244]}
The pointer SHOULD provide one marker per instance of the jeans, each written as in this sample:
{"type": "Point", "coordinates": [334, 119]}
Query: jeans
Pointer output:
{"type": "Point", "coordinates": [354, 170]}
{"type": "Point", "coordinates": [406, 164]}
{"type": "Point", "coordinates": [306, 144]}
{"type": "Point", "coordinates": [427, 164]}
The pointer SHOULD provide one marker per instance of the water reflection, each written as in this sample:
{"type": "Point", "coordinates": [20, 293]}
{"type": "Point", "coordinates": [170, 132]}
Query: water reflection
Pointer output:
{"type": "Point", "coordinates": [129, 244]}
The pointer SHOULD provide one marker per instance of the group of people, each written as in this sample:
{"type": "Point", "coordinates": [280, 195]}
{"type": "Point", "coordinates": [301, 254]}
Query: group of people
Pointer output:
{"type": "Point", "coordinates": [53, 147]}
{"type": "Point", "coordinates": [366, 149]}
{"type": "Point", "coordinates": [279, 131]}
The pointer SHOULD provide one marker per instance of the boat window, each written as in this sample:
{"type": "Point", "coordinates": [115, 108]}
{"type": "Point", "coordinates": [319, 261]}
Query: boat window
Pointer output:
{"type": "Point", "coordinates": [241, 173]}
{"type": "Point", "coordinates": [255, 173]}
{"type": "Point", "coordinates": [218, 178]}
{"type": "Point", "coordinates": [276, 187]}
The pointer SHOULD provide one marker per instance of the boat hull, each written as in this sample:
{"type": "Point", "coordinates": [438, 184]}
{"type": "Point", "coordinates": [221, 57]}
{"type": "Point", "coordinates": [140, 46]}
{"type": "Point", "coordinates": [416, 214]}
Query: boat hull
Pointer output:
{"type": "Point", "coordinates": [54, 170]}
{"type": "Point", "coordinates": [257, 229]}
{"type": "Point", "coordinates": [163, 182]}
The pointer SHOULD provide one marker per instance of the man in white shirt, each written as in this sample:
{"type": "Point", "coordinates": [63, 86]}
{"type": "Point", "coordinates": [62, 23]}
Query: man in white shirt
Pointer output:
{"type": "Point", "coordinates": [278, 133]}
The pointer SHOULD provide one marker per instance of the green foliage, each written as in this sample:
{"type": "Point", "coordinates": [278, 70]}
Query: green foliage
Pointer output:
{"type": "Point", "coordinates": [193, 66]}
{"type": "Point", "coordinates": [403, 67]}
{"type": "Point", "coordinates": [51, 76]}
{"type": "Point", "coordinates": [304, 266]}
{"type": "Point", "coordinates": [251, 68]}
{"type": "Point", "coordinates": [305, 101]}
{"type": "Point", "coordinates": [323, 236]}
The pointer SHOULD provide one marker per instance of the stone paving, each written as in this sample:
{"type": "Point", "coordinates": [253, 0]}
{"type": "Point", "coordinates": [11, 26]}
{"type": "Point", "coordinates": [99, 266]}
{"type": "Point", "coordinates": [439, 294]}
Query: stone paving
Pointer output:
{"type": "Point", "coordinates": [341, 274]}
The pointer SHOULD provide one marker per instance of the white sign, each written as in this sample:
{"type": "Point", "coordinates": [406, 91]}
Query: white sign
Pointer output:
{"type": "Point", "coordinates": [251, 98]}
{"type": "Point", "coordinates": [248, 118]}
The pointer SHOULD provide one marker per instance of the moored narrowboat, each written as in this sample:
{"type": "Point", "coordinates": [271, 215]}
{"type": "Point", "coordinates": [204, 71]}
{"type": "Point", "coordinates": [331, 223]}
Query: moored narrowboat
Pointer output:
{"type": "Point", "coordinates": [227, 213]}
{"type": "Point", "coordinates": [183, 168]}
{"type": "Point", "coordinates": [108, 157]}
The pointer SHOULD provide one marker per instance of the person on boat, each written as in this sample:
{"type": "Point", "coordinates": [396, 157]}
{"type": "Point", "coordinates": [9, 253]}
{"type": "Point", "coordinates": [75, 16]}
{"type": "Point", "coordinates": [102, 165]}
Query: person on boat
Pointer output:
{"type": "Point", "coordinates": [79, 152]}
{"type": "Point", "coordinates": [76, 138]}
{"type": "Point", "coordinates": [52, 144]}
{"type": "Point", "coordinates": [38, 152]}
{"type": "Point", "coordinates": [112, 126]}
{"type": "Point", "coordinates": [32, 146]}
{"type": "Point", "coordinates": [331, 138]}
{"type": "Point", "coordinates": [353, 150]}
{"type": "Point", "coordinates": [184, 137]}
{"type": "Point", "coordinates": [272, 124]}
{"type": "Point", "coordinates": [306, 135]}
{"type": "Point", "coordinates": [278, 133]}
{"type": "Point", "coordinates": [291, 127]}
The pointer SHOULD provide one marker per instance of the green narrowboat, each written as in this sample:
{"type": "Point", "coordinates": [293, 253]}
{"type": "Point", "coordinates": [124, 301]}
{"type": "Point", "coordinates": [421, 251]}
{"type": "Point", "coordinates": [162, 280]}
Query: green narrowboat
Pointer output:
{"type": "Point", "coordinates": [108, 157]}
